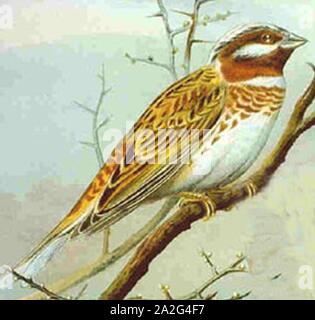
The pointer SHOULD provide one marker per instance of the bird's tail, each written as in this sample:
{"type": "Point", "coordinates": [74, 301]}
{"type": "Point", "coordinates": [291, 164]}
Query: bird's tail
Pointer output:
{"type": "Point", "coordinates": [38, 258]}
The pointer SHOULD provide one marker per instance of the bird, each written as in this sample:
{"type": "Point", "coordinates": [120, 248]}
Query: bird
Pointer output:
{"type": "Point", "coordinates": [227, 107]}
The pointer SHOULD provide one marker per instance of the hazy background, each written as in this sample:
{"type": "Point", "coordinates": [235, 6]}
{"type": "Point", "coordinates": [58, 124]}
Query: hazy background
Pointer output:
{"type": "Point", "coordinates": [51, 57]}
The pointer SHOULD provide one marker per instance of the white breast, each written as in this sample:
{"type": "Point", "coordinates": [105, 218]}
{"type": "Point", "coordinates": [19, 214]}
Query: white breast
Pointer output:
{"type": "Point", "coordinates": [233, 153]}
{"type": "Point", "coordinates": [221, 161]}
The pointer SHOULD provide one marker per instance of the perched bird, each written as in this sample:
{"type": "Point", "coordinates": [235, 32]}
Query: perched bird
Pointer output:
{"type": "Point", "coordinates": [230, 105]}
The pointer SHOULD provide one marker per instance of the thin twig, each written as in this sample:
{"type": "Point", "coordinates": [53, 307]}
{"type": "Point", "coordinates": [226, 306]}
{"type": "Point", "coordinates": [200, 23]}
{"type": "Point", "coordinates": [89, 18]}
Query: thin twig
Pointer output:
{"type": "Point", "coordinates": [233, 268]}
{"type": "Point", "coordinates": [39, 287]}
{"type": "Point", "coordinates": [97, 124]}
{"type": "Point", "coordinates": [207, 258]}
{"type": "Point", "coordinates": [189, 26]}
{"type": "Point", "coordinates": [170, 67]}
{"type": "Point", "coordinates": [81, 292]}
{"type": "Point", "coordinates": [166, 291]}
{"type": "Point", "coordinates": [88, 144]}
{"type": "Point", "coordinates": [191, 33]}
{"type": "Point", "coordinates": [85, 108]}
{"type": "Point", "coordinates": [149, 61]}
{"type": "Point", "coordinates": [180, 30]}
{"type": "Point", "coordinates": [170, 39]}
{"type": "Point", "coordinates": [210, 296]}
{"type": "Point", "coordinates": [201, 22]}
{"type": "Point", "coordinates": [102, 124]}
{"type": "Point", "coordinates": [239, 296]}
{"type": "Point", "coordinates": [277, 276]}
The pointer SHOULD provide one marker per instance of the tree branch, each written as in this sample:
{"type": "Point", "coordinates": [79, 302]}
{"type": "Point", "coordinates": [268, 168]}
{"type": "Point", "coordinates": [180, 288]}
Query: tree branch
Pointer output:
{"type": "Point", "coordinates": [224, 198]}
{"type": "Point", "coordinates": [85, 108]}
{"type": "Point", "coordinates": [189, 26]}
{"type": "Point", "coordinates": [40, 287]}
{"type": "Point", "coordinates": [199, 293]}
{"type": "Point", "coordinates": [170, 40]}
{"type": "Point", "coordinates": [150, 60]}
{"type": "Point", "coordinates": [97, 124]}
{"type": "Point", "coordinates": [172, 50]}
{"type": "Point", "coordinates": [235, 267]}
{"type": "Point", "coordinates": [191, 33]}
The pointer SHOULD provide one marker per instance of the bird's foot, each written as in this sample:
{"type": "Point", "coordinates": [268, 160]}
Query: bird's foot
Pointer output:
{"type": "Point", "coordinates": [208, 203]}
{"type": "Point", "coordinates": [251, 188]}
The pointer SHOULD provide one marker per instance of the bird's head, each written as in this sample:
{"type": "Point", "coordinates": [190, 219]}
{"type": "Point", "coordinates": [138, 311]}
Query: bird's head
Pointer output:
{"type": "Point", "coordinates": [254, 51]}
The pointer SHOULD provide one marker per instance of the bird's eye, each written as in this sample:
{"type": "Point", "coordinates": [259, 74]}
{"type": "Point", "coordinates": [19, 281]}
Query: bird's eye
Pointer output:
{"type": "Point", "coordinates": [267, 38]}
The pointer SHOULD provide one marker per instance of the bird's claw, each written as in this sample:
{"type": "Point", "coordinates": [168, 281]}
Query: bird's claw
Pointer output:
{"type": "Point", "coordinates": [208, 203]}
{"type": "Point", "coordinates": [251, 188]}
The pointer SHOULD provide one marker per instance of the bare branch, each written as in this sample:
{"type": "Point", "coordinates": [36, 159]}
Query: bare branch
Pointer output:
{"type": "Point", "coordinates": [189, 26]}
{"type": "Point", "coordinates": [166, 291]}
{"type": "Point", "coordinates": [96, 124]}
{"type": "Point", "coordinates": [81, 292]}
{"type": "Point", "coordinates": [191, 34]}
{"type": "Point", "coordinates": [188, 14]}
{"type": "Point", "coordinates": [203, 22]}
{"type": "Point", "coordinates": [202, 41]}
{"type": "Point", "coordinates": [207, 258]}
{"type": "Point", "coordinates": [180, 30]}
{"type": "Point", "coordinates": [39, 287]}
{"type": "Point", "coordinates": [149, 61]}
{"type": "Point", "coordinates": [239, 296]}
{"type": "Point", "coordinates": [85, 108]}
{"type": "Point", "coordinates": [233, 268]}
{"type": "Point", "coordinates": [95, 133]}
{"type": "Point", "coordinates": [211, 296]}
{"type": "Point", "coordinates": [43, 289]}
{"type": "Point", "coordinates": [102, 124]}
{"type": "Point", "coordinates": [170, 39]}
{"type": "Point", "coordinates": [220, 16]}
{"type": "Point", "coordinates": [277, 276]}
{"type": "Point", "coordinates": [155, 15]}
{"type": "Point", "coordinates": [87, 144]}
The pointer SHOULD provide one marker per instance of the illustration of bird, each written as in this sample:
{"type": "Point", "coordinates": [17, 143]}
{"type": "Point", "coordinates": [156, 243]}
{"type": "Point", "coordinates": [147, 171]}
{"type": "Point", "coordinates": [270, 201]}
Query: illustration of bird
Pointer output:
{"type": "Point", "coordinates": [230, 104]}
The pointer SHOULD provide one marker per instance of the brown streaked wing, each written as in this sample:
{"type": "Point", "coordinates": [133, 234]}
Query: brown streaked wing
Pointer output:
{"type": "Point", "coordinates": [194, 102]}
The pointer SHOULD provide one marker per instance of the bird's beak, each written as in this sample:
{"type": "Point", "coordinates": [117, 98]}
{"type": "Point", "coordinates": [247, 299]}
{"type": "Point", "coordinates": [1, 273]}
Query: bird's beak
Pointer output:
{"type": "Point", "coordinates": [293, 41]}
